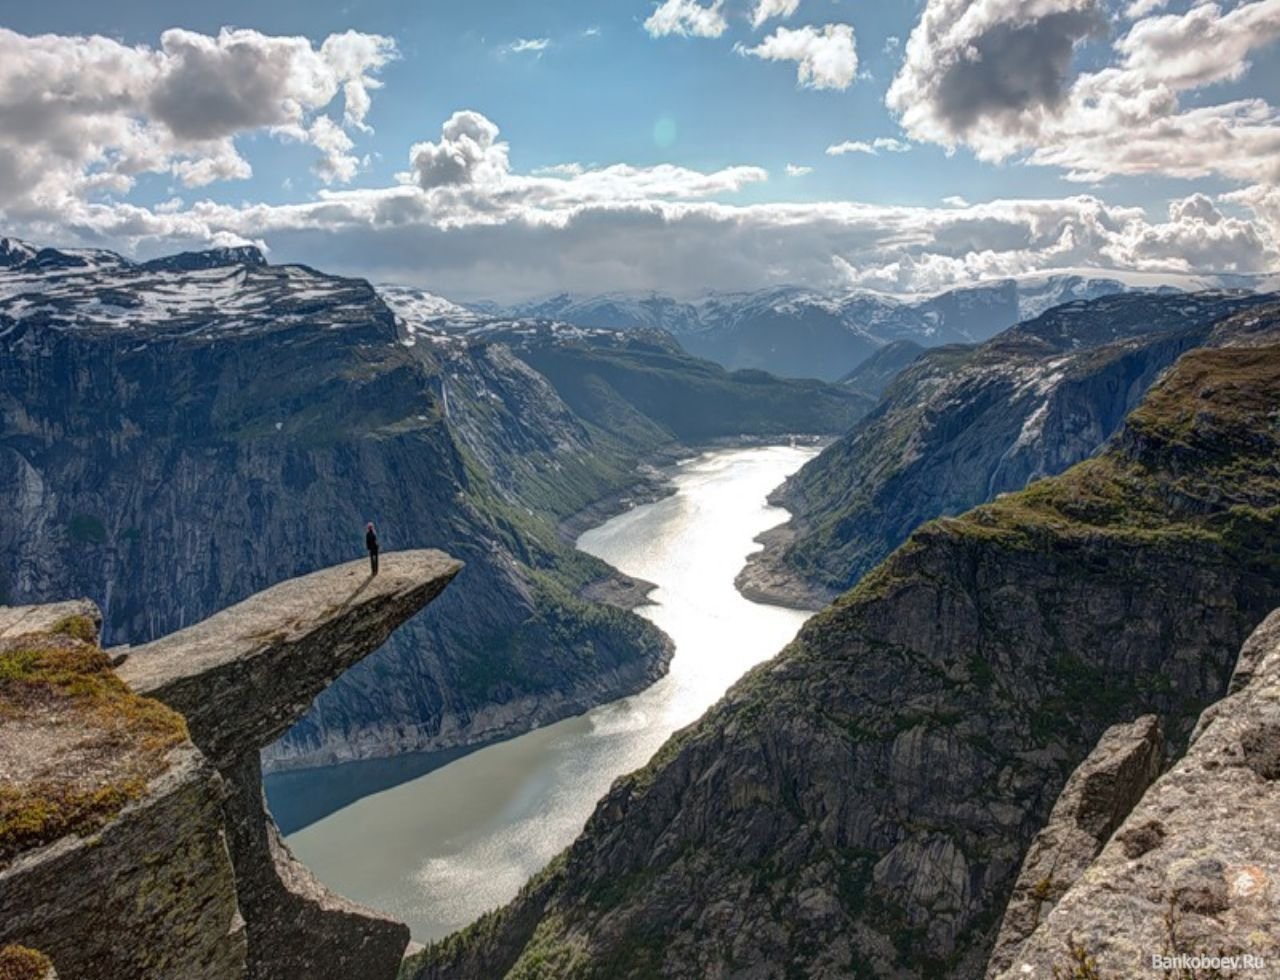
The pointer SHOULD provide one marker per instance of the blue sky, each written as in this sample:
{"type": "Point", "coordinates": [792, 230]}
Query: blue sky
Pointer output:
{"type": "Point", "coordinates": [597, 88]}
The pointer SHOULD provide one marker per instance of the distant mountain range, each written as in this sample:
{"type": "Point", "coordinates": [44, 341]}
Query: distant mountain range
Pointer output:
{"type": "Point", "coordinates": [798, 332]}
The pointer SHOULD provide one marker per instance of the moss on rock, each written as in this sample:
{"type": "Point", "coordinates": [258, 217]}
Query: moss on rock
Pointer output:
{"type": "Point", "coordinates": [59, 681]}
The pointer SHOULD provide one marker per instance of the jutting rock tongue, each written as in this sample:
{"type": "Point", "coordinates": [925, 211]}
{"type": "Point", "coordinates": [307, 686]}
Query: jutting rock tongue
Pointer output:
{"type": "Point", "coordinates": [242, 678]}
{"type": "Point", "coordinates": [123, 853]}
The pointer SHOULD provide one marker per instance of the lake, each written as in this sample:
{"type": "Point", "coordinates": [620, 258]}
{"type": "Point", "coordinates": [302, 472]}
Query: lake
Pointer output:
{"type": "Point", "coordinates": [438, 850]}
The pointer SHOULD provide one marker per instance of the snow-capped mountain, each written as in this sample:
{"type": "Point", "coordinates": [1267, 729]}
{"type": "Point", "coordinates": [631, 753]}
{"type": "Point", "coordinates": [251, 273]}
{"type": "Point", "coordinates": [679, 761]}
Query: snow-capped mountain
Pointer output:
{"type": "Point", "coordinates": [799, 332]}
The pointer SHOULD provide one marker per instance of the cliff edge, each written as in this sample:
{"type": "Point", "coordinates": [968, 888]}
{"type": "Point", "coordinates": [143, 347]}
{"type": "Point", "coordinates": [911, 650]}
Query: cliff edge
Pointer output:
{"type": "Point", "coordinates": [134, 841]}
{"type": "Point", "coordinates": [1191, 873]}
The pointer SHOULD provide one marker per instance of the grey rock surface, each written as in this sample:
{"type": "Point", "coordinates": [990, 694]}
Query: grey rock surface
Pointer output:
{"type": "Point", "coordinates": [192, 879]}
{"type": "Point", "coordinates": [151, 895]}
{"type": "Point", "coordinates": [1194, 870]}
{"type": "Point", "coordinates": [961, 425]}
{"type": "Point", "coordinates": [1098, 796]}
{"type": "Point", "coordinates": [246, 675]}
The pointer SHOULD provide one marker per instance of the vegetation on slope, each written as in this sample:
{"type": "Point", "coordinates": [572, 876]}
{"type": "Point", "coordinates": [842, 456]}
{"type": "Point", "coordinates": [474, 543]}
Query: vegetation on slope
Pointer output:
{"type": "Point", "coordinates": [82, 743]}
{"type": "Point", "coordinates": [21, 963]}
{"type": "Point", "coordinates": [693, 400]}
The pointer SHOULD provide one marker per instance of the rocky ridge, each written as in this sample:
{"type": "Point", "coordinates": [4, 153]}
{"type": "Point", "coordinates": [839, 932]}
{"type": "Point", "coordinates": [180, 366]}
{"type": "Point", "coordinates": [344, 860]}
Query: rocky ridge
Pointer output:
{"type": "Point", "coordinates": [1191, 872]}
{"type": "Point", "coordinates": [962, 425]}
{"type": "Point", "coordinates": [808, 333]}
{"type": "Point", "coordinates": [861, 805]}
{"type": "Point", "coordinates": [159, 860]}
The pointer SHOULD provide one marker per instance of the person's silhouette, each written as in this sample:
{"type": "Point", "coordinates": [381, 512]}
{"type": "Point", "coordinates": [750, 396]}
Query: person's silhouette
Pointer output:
{"type": "Point", "coordinates": [371, 542]}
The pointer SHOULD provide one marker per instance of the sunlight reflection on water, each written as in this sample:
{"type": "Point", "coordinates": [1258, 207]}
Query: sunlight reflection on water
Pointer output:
{"type": "Point", "coordinates": [438, 851]}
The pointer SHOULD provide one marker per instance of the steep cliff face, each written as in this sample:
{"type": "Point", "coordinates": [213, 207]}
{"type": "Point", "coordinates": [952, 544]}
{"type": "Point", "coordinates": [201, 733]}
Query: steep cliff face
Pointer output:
{"type": "Point", "coordinates": [1190, 874]}
{"type": "Point", "coordinates": [964, 424]}
{"type": "Point", "coordinates": [861, 804]}
{"type": "Point", "coordinates": [179, 434]}
{"type": "Point", "coordinates": [1097, 798]}
{"type": "Point", "coordinates": [133, 837]}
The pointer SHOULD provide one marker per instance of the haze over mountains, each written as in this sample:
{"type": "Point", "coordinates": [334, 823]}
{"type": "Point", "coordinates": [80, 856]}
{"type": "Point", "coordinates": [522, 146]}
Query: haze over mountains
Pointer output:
{"type": "Point", "coordinates": [806, 333]}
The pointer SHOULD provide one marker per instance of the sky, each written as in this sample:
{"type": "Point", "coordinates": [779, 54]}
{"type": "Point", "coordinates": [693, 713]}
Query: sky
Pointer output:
{"type": "Point", "coordinates": [503, 149]}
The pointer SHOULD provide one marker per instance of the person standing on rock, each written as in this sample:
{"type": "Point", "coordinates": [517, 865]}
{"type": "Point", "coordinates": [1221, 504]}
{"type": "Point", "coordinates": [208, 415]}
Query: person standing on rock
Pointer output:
{"type": "Point", "coordinates": [371, 542]}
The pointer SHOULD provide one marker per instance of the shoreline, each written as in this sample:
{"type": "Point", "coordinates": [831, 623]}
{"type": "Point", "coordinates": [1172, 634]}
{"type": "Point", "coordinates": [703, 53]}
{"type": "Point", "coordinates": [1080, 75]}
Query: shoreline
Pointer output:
{"type": "Point", "coordinates": [511, 720]}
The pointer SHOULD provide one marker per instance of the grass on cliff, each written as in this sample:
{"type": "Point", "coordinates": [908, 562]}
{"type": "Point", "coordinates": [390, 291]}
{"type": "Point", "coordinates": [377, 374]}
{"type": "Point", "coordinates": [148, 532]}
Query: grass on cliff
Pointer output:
{"type": "Point", "coordinates": [21, 963]}
{"type": "Point", "coordinates": [1199, 458]}
{"type": "Point", "coordinates": [82, 745]}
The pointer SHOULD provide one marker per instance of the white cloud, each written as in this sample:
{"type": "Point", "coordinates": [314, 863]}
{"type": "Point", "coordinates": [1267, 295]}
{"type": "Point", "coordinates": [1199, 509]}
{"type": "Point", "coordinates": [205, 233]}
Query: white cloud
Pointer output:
{"type": "Point", "coordinates": [464, 222]}
{"type": "Point", "coordinates": [796, 170]}
{"type": "Point", "coordinates": [851, 146]}
{"type": "Point", "coordinates": [886, 143]}
{"type": "Point", "coordinates": [826, 57]}
{"type": "Point", "coordinates": [688, 18]}
{"type": "Point", "coordinates": [1264, 201]}
{"type": "Point", "coordinates": [469, 152]}
{"type": "Point", "coordinates": [996, 76]}
{"type": "Point", "coordinates": [979, 71]}
{"type": "Point", "coordinates": [766, 10]}
{"type": "Point", "coordinates": [522, 45]}
{"type": "Point", "coordinates": [84, 116]}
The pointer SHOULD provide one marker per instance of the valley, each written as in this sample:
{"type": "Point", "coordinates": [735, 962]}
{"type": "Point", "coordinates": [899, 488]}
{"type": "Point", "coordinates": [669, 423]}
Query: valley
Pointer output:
{"type": "Point", "coordinates": [442, 849]}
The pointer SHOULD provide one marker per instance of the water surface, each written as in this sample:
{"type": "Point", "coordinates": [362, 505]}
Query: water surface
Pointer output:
{"type": "Point", "coordinates": [441, 849]}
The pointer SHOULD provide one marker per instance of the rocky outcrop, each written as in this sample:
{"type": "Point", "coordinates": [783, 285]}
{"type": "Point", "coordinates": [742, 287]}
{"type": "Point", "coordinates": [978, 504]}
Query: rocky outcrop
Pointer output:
{"type": "Point", "coordinates": [1191, 874]}
{"type": "Point", "coordinates": [245, 676]}
{"type": "Point", "coordinates": [861, 804]}
{"type": "Point", "coordinates": [113, 857]}
{"type": "Point", "coordinates": [1097, 797]}
{"type": "Point", "coordinates": [185, 875]}
{"type": "Point", "coordinates": [962, 425]}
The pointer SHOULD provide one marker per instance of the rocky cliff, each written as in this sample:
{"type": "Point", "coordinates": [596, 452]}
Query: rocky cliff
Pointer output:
{"type": "Point", "coordinates": [133, 837]}
{"type": "Point", "coordinates": [862, 804]}
{"type": "Point", "coordinates": [1189, 876]}
{"type": "Point", "coordinates": [963, 424]}
{"type": "Point", "coordinates": [177, 435]}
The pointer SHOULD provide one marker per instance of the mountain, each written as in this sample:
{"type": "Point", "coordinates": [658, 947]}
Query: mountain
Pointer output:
{"type": "Point", "coordinates": [860, 805]}
{"type": "Point", "coordinates": [181, 433]}
{"type": "Point", "coordinates": [964, 424]}
{"type": "Point", "coordinates": [798, 332]}
{"type": "Point", "coordinates": [875, 374]}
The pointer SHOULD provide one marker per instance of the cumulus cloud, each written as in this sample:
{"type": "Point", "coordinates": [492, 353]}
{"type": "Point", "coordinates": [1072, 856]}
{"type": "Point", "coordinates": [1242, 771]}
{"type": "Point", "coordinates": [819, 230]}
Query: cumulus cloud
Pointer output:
{"type": "Point", "coordinates": [766, 10]}
{"type": "Point", "coordinates": [1140, 8]}
{"type": "Point", "coordinates": [886, 143]}
{"type": "Point", "coordinates": [469, 152]}
{"type": "Point", "coordinates": [1198, 236]}
{"type": "Point", "coordinates": [977, 70]}
{"type": "Point", "coordinates": [826, 57]}
{"type": "Point", "coordinates": [464, 222]}
{"type": "Point", "coordinates": [997, 76]}
{"type": "Point", "coordinates": [84, 116]}
{"type": "Point", "coordinates": [796, 170]}
{"type": "Point", "coordinates": [688, 18]}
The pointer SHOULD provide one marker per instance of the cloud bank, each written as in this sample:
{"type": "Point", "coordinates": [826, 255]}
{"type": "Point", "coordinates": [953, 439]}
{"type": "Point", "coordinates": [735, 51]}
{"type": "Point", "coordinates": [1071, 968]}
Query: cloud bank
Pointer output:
{"type": "Point", "coordinates": [81, 118]}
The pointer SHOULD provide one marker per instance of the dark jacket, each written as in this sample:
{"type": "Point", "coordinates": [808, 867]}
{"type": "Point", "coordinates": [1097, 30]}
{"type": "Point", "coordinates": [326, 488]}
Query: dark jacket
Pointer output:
{"type": "Point", "coordinates": [371, 540]}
